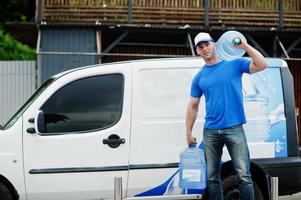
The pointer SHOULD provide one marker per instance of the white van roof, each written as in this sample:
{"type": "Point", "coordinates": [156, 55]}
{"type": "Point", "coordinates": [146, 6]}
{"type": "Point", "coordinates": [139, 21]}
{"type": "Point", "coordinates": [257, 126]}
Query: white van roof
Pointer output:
{"type": "Point", "coordinates": [272, 62]}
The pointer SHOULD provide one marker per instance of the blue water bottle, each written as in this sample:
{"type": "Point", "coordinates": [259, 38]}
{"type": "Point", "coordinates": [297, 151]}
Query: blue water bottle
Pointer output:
{"type": "Point", "coordinates": [225, 46]}
{"type": "Point", "coordinates": [192, 168]}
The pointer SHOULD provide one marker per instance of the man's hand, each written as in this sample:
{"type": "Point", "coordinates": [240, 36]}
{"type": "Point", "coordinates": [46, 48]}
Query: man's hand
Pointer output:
{"type": "Point", "coordinates": [242, 45]}
{"type": "Point", "coordinates": [258, 61]}
{"type": "Point", "coordinates": [191, 140]}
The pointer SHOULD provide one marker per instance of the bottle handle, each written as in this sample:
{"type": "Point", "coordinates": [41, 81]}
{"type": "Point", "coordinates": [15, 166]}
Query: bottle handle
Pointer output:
{"type": "Point", "coordinates": [193, 144]}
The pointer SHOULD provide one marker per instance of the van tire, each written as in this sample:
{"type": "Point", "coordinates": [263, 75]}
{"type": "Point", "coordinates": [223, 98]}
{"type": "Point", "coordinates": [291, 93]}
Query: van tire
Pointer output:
{"type": "Point", "coordinates": [231, 191]}
{"type": "Point", "coordinates": [5, 194]}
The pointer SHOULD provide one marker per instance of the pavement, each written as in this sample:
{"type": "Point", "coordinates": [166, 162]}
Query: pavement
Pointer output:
{"type": "Point", "coordinates": [291, 197]}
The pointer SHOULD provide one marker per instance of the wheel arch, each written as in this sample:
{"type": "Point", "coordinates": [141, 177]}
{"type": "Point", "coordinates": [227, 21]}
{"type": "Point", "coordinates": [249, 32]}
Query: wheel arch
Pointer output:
{"type": "Point", "coordinates": [257, 173]}
{"type": "Point", "coordinates": [10, 186]}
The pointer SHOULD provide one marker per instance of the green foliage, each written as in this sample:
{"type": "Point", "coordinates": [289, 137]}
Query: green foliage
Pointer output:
{"type": "Point", "coordinates": [11, 49]}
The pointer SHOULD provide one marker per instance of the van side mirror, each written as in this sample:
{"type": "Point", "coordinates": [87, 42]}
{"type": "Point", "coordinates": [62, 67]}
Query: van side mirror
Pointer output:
{"type": "Point", "coordinates": [40, 124]}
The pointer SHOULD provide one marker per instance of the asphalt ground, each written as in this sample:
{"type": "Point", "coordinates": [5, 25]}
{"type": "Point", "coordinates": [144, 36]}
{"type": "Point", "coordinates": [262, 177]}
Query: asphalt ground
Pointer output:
{"type": "Point", "coordinates": [291, 197]}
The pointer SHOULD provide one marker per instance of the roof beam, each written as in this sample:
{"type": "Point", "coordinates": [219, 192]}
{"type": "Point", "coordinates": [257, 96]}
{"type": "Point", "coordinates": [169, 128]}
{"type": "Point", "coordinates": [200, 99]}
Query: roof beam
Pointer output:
{"type": "Point", "coordinates": [190, 44]}
{"type": "Point", "coordinates": [113, 44]}
{"type": "Point", "coordinates": [293, 45]}
{"type": "Point", "coordinates": [282, 47]}
{"type": "Point", "coordinates": [257, 46]}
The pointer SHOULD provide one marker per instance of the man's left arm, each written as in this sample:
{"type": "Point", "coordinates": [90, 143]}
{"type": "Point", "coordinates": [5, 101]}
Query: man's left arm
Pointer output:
{"type": "Point", "coordinates": [258, 62]}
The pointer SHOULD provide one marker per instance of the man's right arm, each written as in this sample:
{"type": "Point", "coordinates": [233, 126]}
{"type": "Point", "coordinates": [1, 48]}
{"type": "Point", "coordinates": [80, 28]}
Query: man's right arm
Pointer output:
{"type": "Point", "coordinates": [190, 118]}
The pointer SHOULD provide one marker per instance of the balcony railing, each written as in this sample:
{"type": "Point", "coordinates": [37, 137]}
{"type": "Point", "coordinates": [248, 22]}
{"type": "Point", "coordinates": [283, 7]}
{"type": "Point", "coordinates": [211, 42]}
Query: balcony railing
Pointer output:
{"type": "Point", "coordinates": [274, 14]}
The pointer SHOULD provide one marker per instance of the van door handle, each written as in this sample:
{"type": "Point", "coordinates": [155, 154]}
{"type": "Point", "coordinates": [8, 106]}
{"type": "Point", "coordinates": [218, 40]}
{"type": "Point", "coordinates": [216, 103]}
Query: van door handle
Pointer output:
{"type": "Point", "coordinates": [113, 141]}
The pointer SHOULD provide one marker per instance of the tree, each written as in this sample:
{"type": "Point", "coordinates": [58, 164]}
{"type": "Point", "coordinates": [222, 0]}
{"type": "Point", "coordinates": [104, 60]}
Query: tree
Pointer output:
{"type": "Point", "coordinates": [11, 49]}
{"type": "Point", "coordinates": [20, 11]}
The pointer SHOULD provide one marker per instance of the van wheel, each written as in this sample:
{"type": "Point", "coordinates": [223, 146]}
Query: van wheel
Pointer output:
{"type": "Point", "coordinates": [5, 194]}
{"type": "Point", "coordinates": [231, 191]}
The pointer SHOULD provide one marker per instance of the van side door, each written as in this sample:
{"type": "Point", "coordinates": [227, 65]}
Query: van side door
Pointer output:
{"type": "Point", "coordinates": [160, 98]}
{"type": "Point", "coordinates": [85, 143]}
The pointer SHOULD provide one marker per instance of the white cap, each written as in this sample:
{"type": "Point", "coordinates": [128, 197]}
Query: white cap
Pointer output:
{"type": "Point", "coordinates": [202, 37]}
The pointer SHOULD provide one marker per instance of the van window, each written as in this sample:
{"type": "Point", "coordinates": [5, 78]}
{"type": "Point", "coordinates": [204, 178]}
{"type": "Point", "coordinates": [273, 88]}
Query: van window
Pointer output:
{"type": "Point", "coordinates": [86, 104]}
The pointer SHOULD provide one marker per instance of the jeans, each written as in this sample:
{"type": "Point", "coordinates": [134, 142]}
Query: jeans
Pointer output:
{"type": "Point", "coordinates": [235, 140]}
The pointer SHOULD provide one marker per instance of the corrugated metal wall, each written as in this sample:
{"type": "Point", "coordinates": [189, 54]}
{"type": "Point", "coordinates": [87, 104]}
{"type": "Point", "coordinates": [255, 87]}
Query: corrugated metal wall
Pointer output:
{"type": "Point", "coordinates": [65, 48]}
{"type": "Point", "coordinates": [17, 84]}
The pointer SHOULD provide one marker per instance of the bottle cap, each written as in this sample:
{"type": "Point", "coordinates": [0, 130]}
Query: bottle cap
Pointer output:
{"type": "Point", "coordinates": [236, 41]}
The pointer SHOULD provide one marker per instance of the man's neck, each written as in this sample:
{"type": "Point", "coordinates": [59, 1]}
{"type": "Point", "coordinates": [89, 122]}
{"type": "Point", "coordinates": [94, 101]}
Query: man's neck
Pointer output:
{"type": "Point", "coordinates": [212, 61]}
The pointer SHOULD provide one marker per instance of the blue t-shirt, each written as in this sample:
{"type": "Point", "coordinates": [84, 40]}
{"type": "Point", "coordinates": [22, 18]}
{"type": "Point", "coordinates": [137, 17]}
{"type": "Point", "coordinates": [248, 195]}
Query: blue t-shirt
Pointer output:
{"type": "Point", "coordinates": [221, 85]}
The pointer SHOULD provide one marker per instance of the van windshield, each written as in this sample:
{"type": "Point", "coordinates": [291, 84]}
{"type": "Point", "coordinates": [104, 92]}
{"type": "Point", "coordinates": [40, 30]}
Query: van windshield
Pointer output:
{"type": "Point", "coordinates": [35, 95]}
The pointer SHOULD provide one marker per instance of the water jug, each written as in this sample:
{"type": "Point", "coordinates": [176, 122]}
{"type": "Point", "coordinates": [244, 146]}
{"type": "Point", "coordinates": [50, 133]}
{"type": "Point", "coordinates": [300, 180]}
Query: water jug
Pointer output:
{"type": "Point", "coordinates": [192, 168]}
{"type": "Point", "coordinates": [225, 46]}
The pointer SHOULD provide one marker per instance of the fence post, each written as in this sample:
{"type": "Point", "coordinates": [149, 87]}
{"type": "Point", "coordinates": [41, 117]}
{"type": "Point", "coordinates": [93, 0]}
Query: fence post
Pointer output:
{"type": "Point", "coordinates": [39, 11]}
{"type": "Point", "coordinates": [117, 188]}
{"type": "Point", "coordinates": [281, 11]}
{"type": "Point", "coordinates": [207, 6]}
{"type": "Point", "coordinates": [274, 188]}
{"type": "Point", "coordinates": [130, 9]}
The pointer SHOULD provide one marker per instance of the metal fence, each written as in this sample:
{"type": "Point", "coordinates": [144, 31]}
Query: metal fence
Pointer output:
{"type": "Point", "coordinates": [291, 5]}
{"type": "Point", "coordinates": [61, 49]}
{"type": "Point", "coordinates": [276, 14]}
{"type": "Point", "coordinates": [17, 83]}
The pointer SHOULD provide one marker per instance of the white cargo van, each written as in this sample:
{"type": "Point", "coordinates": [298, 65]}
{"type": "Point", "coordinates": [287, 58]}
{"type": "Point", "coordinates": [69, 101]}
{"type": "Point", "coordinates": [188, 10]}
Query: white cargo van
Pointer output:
{"type": "Point", "coordinates": [85, 126]}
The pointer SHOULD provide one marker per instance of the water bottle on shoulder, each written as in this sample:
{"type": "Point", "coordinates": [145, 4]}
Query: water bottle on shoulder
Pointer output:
{"type": "Point", "coordinates": [225, 46]}
{"type": "Point", "coordinates": [192, 168]}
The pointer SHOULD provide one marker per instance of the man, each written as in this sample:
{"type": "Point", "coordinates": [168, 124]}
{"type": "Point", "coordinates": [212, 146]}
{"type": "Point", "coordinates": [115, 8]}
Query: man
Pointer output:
{"type": "Point", "coordinates": [221, 83]}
